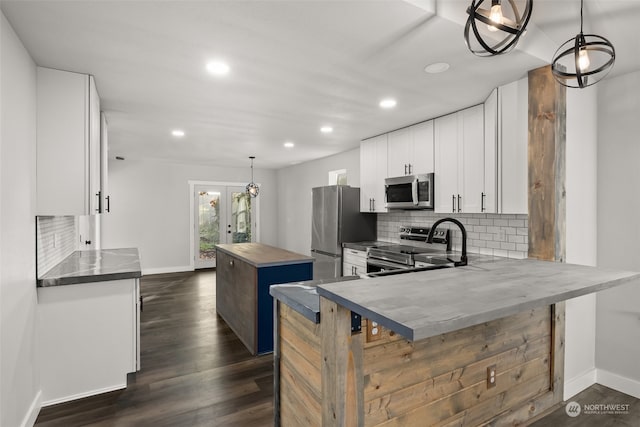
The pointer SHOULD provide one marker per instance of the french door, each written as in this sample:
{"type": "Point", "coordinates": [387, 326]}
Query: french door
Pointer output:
{"type": "Point", "coordinates": [223, 214]}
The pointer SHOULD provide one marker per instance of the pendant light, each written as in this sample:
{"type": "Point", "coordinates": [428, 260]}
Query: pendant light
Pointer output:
{"type": "Point", "coordinates": [252, 187]}
{"type": "Point", "coordinates": [508, 24]}
{"type": "Point", "coordinates": [583, 60]}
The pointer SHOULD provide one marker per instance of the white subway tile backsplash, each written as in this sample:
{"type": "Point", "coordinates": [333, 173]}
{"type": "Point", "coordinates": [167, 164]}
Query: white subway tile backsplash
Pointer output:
{"type": "Point", "coordinates": [493, 245]}
{"type": "Point", "coordinates": [56, 239]}
{"type": "Point", "coordinates": [516, 239]}
{"type": "Point", "coordinates": [508, 246]}
{"type": "Point", "coordinates": [489, 234]}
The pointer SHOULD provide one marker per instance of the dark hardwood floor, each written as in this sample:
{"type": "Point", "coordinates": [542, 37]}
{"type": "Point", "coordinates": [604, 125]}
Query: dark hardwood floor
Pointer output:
{"type": "Point", "coordinates": [195, 372]}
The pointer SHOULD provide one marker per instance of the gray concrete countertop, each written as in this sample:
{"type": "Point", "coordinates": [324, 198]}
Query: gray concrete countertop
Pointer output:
{"type": "Point", "coordinates": [94, 266]}
{"type": "Point", "coordinates": [303, 297]}
{"type": "Point", "coordinates": [260, 255]}
{"type": "Point", "coordinates": [424, 304]}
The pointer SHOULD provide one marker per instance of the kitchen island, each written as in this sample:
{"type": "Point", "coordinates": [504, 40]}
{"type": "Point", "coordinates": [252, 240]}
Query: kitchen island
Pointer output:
{"type": "Point", "coordinates": [477, 344]}
{"type": "Point", "coordinates": [244, 273]}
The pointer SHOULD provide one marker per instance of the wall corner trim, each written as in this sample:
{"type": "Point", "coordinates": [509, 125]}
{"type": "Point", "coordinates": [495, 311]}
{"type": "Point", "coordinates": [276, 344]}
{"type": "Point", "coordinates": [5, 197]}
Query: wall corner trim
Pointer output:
{"type": "Point", "coordinates": [575, 385]}
{"type": "Point", "coordinates": [30, 417]}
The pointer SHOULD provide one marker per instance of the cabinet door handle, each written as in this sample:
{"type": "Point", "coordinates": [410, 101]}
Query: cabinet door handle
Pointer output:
{"type": "Point", "coordinates": [108, 198]}
{"type": "Point", "coordinates": [459, 204]}
{"type": "Point", "coordinates": [410, 169]}
{"type": "Point", "coordinates": [373, 205]}
{"type": "Point", "coordinates": [355, 270]}
{"type": "Point", "coordinates": [99, 196]}
{"type": "Point", "coordinates": [482, 201]}
{"type": "Point", "coordinates": [453, 203]}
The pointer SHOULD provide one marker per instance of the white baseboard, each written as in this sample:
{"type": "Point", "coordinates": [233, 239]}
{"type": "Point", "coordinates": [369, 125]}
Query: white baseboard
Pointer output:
{"type": "Point", "coordinates": [616, 382]}
{"type": "Point", "coordinates": [30, 417]}
{"type": "Point", "coordinates": [82, 395]}
{"type": "Point", "coordinates": [573, 386]}
{"type": "Point", "coordinates": [164, 270]}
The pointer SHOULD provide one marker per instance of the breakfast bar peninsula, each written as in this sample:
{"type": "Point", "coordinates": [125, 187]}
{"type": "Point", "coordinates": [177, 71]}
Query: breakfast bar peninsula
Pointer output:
{"type": "Point", "coordinates": [467, 346]}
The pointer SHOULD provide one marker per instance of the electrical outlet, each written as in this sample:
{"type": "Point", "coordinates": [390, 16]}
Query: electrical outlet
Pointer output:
{"type": "Point", "coordinates": [491, 376]}
{"type": "Point", "coordinates": [373, 331]}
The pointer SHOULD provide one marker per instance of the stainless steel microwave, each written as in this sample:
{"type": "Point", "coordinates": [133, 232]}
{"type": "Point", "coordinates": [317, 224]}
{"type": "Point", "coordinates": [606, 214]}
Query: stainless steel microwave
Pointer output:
{"type": "Point", "coordinates": [410, 192]}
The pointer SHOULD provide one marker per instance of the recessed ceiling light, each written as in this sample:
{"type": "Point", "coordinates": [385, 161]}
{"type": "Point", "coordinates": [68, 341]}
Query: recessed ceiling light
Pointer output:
{"type": "Point", "coordinates": [177, 133]}
{"type": "Point", "coordinates": [289, 144]}
{"type": "Point", "coordinates": [326, 129]}
{"type": "Point", "coordinates": [218, 68]}
{"type": "Point", "coordinates": [436, 67]}
{"type": "Point", "coordinates": [388, 103]}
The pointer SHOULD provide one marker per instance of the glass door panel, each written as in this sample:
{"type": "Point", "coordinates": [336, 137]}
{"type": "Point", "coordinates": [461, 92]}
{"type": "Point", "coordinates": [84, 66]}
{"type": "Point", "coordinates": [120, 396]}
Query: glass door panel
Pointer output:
{"type": "Point", "coordinates": [240, 219]}
{"type": "Point", "coordinates": [208, 221]}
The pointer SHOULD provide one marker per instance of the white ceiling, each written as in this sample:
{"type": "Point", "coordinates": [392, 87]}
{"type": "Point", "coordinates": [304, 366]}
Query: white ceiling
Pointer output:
{"type": "Point", "coordinates": [295, 66]}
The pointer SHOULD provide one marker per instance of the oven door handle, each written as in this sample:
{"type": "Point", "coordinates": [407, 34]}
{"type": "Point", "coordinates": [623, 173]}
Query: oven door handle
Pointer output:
{"type": "Point", "coordinates": [384, 264]}
{"type": "Point", "coordinates": [414, 191]}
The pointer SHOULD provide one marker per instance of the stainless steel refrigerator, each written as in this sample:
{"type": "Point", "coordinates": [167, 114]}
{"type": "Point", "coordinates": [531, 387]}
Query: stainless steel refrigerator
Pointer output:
{"type": "Point", "coordinates": [337, 219]}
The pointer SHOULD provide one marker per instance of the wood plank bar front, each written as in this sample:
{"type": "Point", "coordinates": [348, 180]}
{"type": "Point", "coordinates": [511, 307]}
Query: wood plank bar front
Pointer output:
{"type": "Point", "coordinates": [342, 372]}
{"type": "Point", "coordinates": [331, 377]}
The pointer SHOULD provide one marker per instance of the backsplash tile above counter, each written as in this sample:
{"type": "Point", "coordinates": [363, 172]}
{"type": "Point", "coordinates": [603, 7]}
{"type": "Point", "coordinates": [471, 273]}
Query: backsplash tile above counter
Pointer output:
{"type": "Point", "coordinates": [504, 235]}
{"type": "Point", "coordinates": [56, 239]}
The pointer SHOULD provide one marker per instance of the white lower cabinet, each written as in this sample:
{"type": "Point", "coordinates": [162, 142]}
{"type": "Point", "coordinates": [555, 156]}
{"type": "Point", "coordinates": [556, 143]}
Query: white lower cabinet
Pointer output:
{"type": "Point", "coordinates": [89, 337]}
{"type": "Point", "coordinates": [354, 262]}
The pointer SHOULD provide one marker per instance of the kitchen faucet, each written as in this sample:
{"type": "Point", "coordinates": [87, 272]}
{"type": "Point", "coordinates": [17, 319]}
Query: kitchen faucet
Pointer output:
{"type": "Point", "coordinates": [463, 257]}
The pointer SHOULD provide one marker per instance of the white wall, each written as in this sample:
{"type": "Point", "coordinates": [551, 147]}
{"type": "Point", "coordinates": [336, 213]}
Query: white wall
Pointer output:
{"type": "Point", "coordinates": [19, 373]}
{"type": "Point", "coordinates": [618, 310]}
{"type": "Point", "coordinates": [150, 205]}
{"type": "Point", "coordinates": [294, 194]}
{"type": "Point", "coordinates": [581, 182]}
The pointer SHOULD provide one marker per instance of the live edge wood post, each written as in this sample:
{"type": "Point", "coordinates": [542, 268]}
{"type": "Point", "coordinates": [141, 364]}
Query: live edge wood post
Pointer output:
{"type": "Point", "coordinates": [547, 195]}
{"type": "Point", "coordinates": [547, 166]}
{"type": "Point", "coordinates": [342, 372]}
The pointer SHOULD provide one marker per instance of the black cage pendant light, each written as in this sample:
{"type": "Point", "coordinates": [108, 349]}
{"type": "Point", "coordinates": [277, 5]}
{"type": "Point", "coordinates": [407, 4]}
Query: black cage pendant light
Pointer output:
{"type": "Point", "coordinates": [583, 60]}
{"type": "Point", "coordinates": [507, 23]}
{"type": "Point", "coordinates": [252, 187]}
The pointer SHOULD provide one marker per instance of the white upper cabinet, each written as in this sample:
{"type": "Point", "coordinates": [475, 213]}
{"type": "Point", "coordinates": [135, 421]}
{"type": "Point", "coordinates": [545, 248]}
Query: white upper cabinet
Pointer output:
{"type": "Point", "coordinates": [422, 154]}
{"type": "Point", "coordinates": [410, 150]}
{"type": "Point", "coordinates": [446, 163]}
{"type": "Point", "coordinates": [373, 171]}
{"type": "Point", "coordinates": [398, 152]}
{"type": "Point", "coordinates": [490, 199]}
{"type": "Point", "coordinates": [104, 164]}
{"type": "Point", "coordinates": [513, 134]}
{"type": "Point", "coordinates": [473, 160]}
{"type": "Point", "coordinates": [68, 143]}
{"type": "Point", "coordinates": [460, 161]}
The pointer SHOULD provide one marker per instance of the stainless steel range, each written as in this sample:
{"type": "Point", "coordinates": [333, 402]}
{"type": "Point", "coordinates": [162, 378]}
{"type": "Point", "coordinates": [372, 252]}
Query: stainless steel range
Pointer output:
{"type": "Point", "coordinates": [394, 257]}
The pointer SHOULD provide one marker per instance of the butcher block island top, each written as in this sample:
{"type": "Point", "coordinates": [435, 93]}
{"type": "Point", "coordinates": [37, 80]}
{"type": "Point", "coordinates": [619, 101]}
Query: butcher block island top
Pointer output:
{"type": "Point", "coordinates": [261, 255]}
{"type": "Point", "coordinates": [424, 304]}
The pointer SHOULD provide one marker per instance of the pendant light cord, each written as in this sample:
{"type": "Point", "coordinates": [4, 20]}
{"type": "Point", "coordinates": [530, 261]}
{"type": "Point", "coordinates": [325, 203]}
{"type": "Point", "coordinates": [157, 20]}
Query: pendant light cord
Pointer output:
{"type": "Point", "coordinates": [581, 6]}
